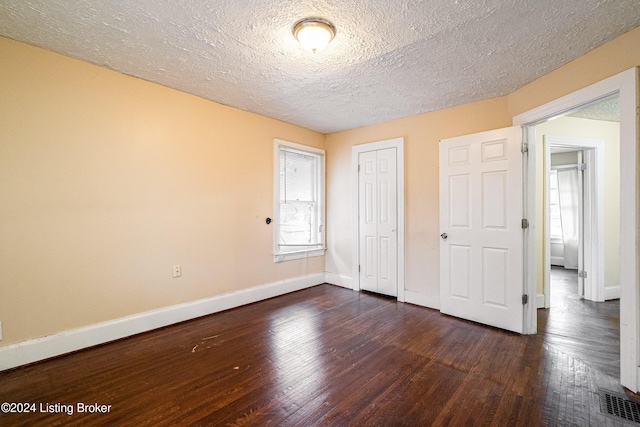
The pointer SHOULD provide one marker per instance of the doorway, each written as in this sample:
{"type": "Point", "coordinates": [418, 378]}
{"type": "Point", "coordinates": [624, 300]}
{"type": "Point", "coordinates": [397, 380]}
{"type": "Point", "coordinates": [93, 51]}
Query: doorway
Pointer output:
{"type": "Point", "coordinates": [625, 85]}
{"type": "Point", "coordinates": [581, 260]}
{"type": "Point", "coordinates": [577, 180]}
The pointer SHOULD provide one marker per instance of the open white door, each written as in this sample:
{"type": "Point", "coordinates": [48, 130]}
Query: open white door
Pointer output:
{"type": "Point", "coordinates": [481, 246]}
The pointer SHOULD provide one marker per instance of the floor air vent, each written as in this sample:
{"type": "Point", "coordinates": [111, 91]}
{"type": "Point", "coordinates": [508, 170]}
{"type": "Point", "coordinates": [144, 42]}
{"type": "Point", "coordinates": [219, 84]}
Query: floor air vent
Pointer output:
{"type": "Point", "coordinates": [619, 406]}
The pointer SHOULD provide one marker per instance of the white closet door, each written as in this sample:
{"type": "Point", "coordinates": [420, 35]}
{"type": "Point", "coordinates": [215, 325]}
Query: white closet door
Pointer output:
{"type": "Point", "coordinates": [378, 243]}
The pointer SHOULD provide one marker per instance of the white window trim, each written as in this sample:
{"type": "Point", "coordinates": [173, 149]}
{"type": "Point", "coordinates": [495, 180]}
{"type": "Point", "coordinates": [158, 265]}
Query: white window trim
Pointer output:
{"type": "Point", "coordinates": [305, 253]}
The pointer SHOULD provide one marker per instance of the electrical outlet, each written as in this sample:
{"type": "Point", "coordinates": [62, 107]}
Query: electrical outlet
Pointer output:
{"type": "Point", "coordinates": [0, 331]}
{"type": "Point", "coordinates": [177, 271]}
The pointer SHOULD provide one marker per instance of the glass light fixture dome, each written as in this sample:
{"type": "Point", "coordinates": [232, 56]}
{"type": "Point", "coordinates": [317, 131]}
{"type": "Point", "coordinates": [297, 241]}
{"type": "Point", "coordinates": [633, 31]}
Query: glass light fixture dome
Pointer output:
{"type": "Point", "coordinates": [314, 34]}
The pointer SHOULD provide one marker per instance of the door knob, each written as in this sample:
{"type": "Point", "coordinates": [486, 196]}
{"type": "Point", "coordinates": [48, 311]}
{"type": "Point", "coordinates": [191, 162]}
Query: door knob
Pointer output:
{"type": "Point", "coordinates": [444, 236]}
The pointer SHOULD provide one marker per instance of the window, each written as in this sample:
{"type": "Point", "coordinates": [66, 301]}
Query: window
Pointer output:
{"type": "Point", "coordinates": [298, 201]}
{"type": "Point", "coordinates": [555, 224]}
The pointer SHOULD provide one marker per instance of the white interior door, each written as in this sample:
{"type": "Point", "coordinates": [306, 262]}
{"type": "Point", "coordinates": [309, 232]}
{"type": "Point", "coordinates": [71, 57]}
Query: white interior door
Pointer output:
{"type": "Point", "coordinates": [377, 202]}
{"type": "Point", "coordinates": [481, 246]}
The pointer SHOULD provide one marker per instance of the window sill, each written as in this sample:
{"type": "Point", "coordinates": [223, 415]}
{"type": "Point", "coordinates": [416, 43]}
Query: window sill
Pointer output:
{"type": "Point", "coordinates": [298, 255]}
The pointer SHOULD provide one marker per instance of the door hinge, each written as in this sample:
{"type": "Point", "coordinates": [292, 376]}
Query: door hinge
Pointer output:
{"type": "Point", "coordinates": [525, 223]}
{"type": "Point", "coordinates": [582, 273]}
{"type": "Point", "coordinates": [525, 299]}
{"type": "Point", "coordinates": [358, 167]}
{"type": "Point", "coordinates": [582, 167]}
{"type": "Point", "coordinates": [524, 147]}
{"type": "Point", "coordinates": [358, 269]}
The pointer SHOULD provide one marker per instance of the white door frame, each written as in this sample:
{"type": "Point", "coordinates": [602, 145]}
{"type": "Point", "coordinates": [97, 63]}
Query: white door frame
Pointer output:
{"type": "Point", "coordinates": [626, 84]}
{"type": "Point", "coordinates": [593, 206]}
{"type": "Point", "coordinates": [398, 144]}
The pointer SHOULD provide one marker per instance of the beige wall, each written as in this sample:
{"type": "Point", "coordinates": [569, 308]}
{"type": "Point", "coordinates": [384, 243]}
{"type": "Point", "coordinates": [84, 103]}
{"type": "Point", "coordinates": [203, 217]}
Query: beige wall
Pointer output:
{"type": "Point", "coordinates": [609, 132]}
{"type": "Point", "coordinates": [107, 181]}
{"type": "Point", "coordinates": [422, 134]}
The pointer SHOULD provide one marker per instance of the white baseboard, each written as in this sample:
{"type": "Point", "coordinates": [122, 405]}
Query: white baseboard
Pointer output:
{"type": "Point", "coordinates": [37, 349]}
{"type": "Point", "coordinates": [611, 292]}
{"type": "Point", "coordinates": [557, 260]}
{"type": "Point", "coordinates": [416, 298]}
{"type": "Point", "coordinates": [339, 280]}
{"type": "Point", "coordinates": [424, 300]}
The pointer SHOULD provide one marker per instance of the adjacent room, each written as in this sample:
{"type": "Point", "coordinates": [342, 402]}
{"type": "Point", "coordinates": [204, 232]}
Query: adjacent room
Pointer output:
{"type": "Point", "coordinates": [353, 213]}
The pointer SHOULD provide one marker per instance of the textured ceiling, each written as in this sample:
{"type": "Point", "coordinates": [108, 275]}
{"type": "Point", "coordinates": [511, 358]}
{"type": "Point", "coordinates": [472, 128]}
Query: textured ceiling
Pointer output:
{"type": "Point", "coordinates": [389, 59]}
{"type": "Point", "coordinates": [608, 110]}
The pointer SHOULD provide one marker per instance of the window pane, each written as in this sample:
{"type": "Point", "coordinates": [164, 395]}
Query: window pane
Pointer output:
{"type": "Point", "coordinates": [297, 173]}
{"type": "Point", "coordinates": [299, 210]}
{"type": "Point", "coordinates": [555, 223]}
{"type": "Point", "coordinates": [553, 179]}
{"type": "Point", "coordinates": [297, 224]}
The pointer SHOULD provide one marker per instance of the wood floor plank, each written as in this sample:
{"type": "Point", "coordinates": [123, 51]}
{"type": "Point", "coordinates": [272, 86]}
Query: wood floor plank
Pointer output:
{"type": "Point", "coordinates": [586, 330]}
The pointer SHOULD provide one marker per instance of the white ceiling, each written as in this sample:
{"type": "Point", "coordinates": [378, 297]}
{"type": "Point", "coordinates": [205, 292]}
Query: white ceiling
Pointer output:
{"type": "Point", "coordinates": [389, 59]}
{"type": "Point", "coordinates": [607, 110]}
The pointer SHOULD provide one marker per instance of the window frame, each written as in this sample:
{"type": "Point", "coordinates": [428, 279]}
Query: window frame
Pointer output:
{"type": "Point", "coordinates": [279, 256]}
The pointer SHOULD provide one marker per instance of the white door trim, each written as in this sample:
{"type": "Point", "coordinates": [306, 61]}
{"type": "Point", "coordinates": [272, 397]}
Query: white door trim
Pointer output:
{"type": "Point", "coordinates": [594, 204]}
{"type": "Point", "coordinates": [626, 84]}
{"type": "Point", "coordinates": [398, 144]}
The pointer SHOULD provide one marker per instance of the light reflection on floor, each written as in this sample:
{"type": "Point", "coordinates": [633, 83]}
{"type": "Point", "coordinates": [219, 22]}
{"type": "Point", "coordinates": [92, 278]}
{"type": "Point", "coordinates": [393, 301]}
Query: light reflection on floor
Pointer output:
{"type": "Point", "coordinates": [297, 349]}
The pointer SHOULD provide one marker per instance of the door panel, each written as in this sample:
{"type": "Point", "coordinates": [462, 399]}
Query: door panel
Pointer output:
{"type": "Point", "coordinates": [494, 203]}
{"type": "Point", "coordinates": [481, 265]}
{"type": "Point", "coordinates": [459, 270]}
{"type": "Point", "coordinates": [368, 222]}
{"type": "Point", "coordinates": [495, 263]}
{"type": "Point", "coordinates": [459, 200]}
{"type": "Point", "coordinates": [378, 221]}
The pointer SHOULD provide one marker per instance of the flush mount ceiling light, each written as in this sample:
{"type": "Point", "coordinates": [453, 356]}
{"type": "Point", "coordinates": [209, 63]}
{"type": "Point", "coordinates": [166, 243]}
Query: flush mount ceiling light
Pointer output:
{"type": "Point", "coordinates": [314, 34]}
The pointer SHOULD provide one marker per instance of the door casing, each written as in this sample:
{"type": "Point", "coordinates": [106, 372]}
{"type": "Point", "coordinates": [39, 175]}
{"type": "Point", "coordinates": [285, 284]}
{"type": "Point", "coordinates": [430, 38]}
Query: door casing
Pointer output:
{"type": "Point", "coordinates": [626, 85]}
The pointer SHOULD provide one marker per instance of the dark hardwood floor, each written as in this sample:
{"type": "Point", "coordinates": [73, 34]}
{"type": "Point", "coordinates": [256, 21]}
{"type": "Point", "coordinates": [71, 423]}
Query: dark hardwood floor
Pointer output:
{"type": "Point", "coordinates": [324, 356]}
{"type": "Point", "coordinates": [586, 330]}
